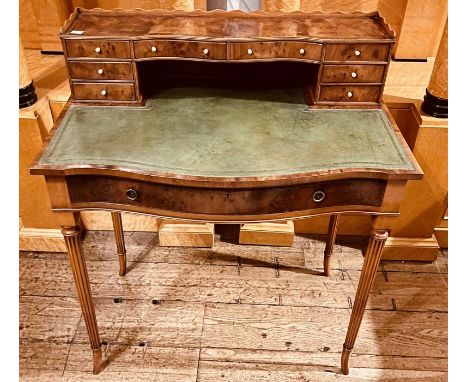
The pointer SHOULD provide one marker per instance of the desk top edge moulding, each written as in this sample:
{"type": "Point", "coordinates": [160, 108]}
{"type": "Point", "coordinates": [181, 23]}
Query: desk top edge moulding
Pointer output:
{"type": "Point", "coordinates": [226, 117]}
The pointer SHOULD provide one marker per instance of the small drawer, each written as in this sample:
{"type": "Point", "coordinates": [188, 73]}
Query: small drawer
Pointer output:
{"type": "Point", "coordinates": [104, 91]}
{"type": "Point", "coordinates": [86, 70]}
{"type": "Point", "coordinates": [271, 50]}
{"type": "Point", "coordinates": [343, 93]}
{"type": "Point", "coordinates": [184, 49]}
{"type": "Point", "coordinates": [98, 49]}
{"type": "Point", "coordinates": [353, 73]}
{"type": "Point", "coordinates": [356, 52]}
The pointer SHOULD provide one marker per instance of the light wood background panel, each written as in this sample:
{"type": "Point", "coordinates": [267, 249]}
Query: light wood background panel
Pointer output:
{"type": "Point", "coordinates": [50, 16]}
{"type": "Point", "coordinates": [281, 5]}
{"type": "Point", "coordinates": [424, 201]}
{"type": "Point", "coordinates": [29, 32]}
{"type": "Point", "coordinates": [422, 29]}
{"type": "Point", "coordinates": [34, 203]}
{"type": "Point", "coordinates": [339, 5]}
{"type": "Point", "coordinates": [144, 4]}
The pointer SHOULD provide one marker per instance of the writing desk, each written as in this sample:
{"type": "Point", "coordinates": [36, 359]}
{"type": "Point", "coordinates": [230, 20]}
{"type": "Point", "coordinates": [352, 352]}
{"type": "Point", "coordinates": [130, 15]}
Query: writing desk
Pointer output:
{"type": "Point", "coordinates": [225, 154]}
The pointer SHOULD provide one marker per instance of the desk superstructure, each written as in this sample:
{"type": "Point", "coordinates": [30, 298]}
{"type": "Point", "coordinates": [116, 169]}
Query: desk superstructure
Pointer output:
{"type": "Point", "coordinates": [129, 141]}
{"type": "Point", "coordinates": [103, 49]}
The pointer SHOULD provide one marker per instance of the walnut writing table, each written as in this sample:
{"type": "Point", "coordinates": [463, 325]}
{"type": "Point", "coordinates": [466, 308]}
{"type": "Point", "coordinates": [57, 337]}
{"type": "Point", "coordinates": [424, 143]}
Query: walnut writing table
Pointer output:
{"type": "Point", "coordinates": [243, 146]}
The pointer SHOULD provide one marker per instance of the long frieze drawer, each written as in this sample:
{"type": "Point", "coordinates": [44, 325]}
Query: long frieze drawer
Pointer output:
{"type": "Point", "coordinates": [343, 93]}
{"type": "Point", "coordinates": [184, 49]}
{"type": "Point", "coordinates": [100, 70]}
{"type": "Point", "coordinates": [277, 49]}
{"type": "Point", "coordinates": [98, 49]}
{"type": "Point", "coordinates": [353, 73]}
{"type": "Point", "coordinates": [214, 201]}
{"type": "Point", "coordinates": [104, 91]}
{"type": "Point", "coordinates": [356, 52]}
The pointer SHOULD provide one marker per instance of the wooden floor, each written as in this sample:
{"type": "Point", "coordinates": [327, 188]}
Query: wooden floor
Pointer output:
{"type": "Point", "coordinates": [231, 313]}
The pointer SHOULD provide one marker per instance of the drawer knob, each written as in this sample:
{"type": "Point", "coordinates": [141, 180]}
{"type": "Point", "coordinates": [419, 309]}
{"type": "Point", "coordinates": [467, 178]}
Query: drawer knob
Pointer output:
{"type": "Point", "coordinates": [131, 194]}
{"type": "Point", "coordinates": [318, 196]}
{"type": "Point", "coordinates": [302, 51]}
{"type": "Point", "coordinates": [354, 74]}
{"type": "Point", "coordinates": [206, 51]}
{"type": "Point", "coordinates": [349, 94]}
{"type": "Point", "coordinates": [97, 50]}
{"type": "Point", "coordinates": [154, 49]}
{"type": "Point", "coordinates": [103, 92]}
{"type": "Point", "coordinates": [250, 51]}
{"type": "Point", "coordinates": [357, 52]}
{"type": "Point", "coordinates": [100, 71]}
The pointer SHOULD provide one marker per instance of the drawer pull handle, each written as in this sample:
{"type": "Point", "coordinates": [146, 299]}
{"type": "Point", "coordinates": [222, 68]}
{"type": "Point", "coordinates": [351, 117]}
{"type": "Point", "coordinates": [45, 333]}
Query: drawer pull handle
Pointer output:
{"type": "Point", "coordinates": [103, 92]}
{"type": "Point", "coordinates": [131, 194]}
{"type": "Point", "coordinates": [250, 51]}
{"type": "Point", "coordinates": [100, 71]}
{"type": "Point", "coordinates": [154, 49]}
{"type": "Point", "coordinates": [349, 94]}
{"type": "Point", "coordinates": [205, 51]}
{"type": "Point", "coordinates": [354, 74]}
{"type": "Point", "coordinates": [97, 50]}
{"type": "Point", "coordinates": [302, 51]}
{"type": "Point", "coordinates": [318, 196]}
{"type": "Point", "coordinates": [357, 52]}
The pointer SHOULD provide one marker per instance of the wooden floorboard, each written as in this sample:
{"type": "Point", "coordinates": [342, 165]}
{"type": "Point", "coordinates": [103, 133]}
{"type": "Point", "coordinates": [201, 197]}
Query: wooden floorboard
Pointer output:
{"type": "Point", "coordinates": [231, 313]}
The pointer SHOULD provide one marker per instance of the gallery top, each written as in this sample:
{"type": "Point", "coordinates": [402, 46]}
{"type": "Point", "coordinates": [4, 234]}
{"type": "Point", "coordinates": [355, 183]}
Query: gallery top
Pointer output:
{"type": "Point", "coordinates": [232, 26]}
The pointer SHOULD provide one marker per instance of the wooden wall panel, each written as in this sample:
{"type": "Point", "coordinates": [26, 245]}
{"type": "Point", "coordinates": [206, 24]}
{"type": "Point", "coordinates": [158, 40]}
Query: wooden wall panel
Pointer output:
{"type": "Point", "coordinates": [28, 29]}
{"type": "Point", "coordinates": [34, 203]}
{"type": "Point", "coordinates": [50, 16]}
{"type": "Point", "coordinates": [422, 29]}
{"type": "Point", "coordinates": [144, 4]}
{"type": "Point", "coordinates": [339, 5]}
{"type": "Point", "coordinates": [280, 5]}
{"type": "Point", "coordinates": [424, 201]}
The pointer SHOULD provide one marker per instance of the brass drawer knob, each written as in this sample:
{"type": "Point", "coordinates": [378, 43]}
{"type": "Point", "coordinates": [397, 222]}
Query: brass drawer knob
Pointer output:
{"type": "Point", "coordinates": [318, 196]}
{"type": "Point", "coordinates": [100, 71]}
{"type": "Point", "coordinates": [154, 49]}
{"type": "Point", "coordinates": [131, 194]}
{"type": "Point", "coordinates": [97, 50]}
{"type": "Point", "coordinates": [103, 92]}
{"type": "Point", "coordinates": [206, 51]}
{"type": "Point", "coordinates": [357, 52]}
{"type": "Point", "coordinates": [302, 51]}
{"type": "Point", "coordinates": [249, 51]}
{"type": "Point", "coordinates": [354, 74]}
{"type": "Point", "coordinates": [349, 94]}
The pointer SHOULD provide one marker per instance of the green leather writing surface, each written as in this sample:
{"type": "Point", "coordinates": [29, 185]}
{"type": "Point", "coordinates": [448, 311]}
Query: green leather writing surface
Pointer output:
{"type": "Point", "coordinates": [220, 132]}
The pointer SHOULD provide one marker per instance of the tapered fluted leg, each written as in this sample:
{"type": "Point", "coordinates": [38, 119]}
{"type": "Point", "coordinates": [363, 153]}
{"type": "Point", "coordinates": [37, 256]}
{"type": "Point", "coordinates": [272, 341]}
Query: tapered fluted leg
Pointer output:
{"type": "Point", "coordinates": [332, 229]}
{"type": "Point", "coordinates": [369, 270]}
{"type": "Point", "coordinates": [80, 274]}
{"type": "Point", "coordinates": [120, 242]}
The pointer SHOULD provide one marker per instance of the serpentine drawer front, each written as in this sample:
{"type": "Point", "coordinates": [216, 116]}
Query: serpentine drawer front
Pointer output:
{"type": "Point", "coordinates": [97, 190]}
